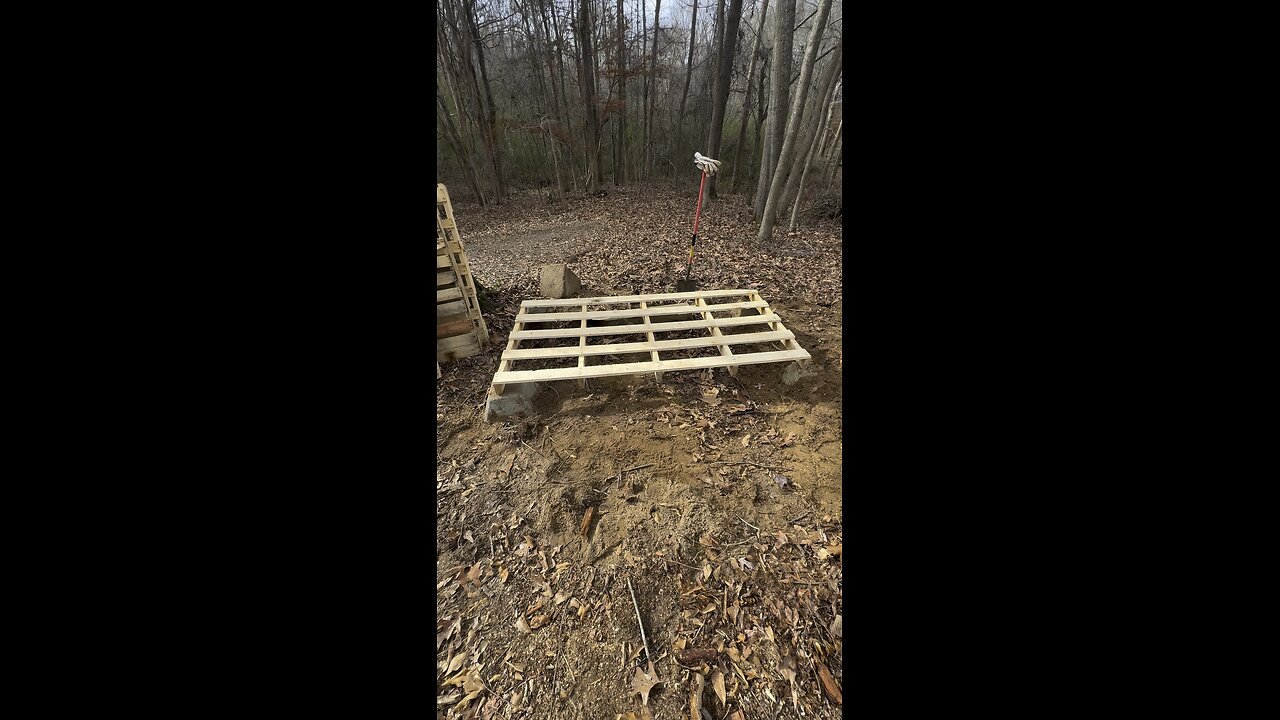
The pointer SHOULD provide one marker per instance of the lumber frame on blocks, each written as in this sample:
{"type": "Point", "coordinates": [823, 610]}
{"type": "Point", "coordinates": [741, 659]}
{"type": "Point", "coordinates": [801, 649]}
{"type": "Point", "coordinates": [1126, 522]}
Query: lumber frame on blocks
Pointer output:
{"type": "Point", "coordinates": [645, 315]}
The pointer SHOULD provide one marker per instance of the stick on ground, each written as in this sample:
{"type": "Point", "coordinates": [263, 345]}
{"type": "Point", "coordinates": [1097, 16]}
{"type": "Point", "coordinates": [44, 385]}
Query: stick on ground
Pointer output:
{"type": "Point", "coordinates": [638, 622]}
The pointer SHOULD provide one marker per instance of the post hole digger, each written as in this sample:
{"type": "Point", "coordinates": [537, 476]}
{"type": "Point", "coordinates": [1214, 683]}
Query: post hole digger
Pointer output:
{"type": "Point", "coordinates": [708, 167]}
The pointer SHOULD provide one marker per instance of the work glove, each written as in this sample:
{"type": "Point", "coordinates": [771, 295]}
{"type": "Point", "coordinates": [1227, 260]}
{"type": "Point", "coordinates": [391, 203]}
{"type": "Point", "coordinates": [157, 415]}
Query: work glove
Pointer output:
{"type": "Point", "coordinates": [705, 164]}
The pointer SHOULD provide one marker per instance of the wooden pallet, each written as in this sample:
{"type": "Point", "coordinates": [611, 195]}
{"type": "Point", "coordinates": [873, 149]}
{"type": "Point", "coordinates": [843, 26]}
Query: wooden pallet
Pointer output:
{"type": "Point", "coordinates": [460, 327]}
{"type": "Point", "coordinates": [747, 317]}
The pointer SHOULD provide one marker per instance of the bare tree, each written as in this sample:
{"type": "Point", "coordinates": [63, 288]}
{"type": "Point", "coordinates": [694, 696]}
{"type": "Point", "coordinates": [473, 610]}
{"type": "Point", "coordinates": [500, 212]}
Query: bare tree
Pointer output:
{"type": "Point", "coordinates": [688, 75]}
{"type": "Point", "coordinates": [720, 96]}
{"type": "Point", "coordinates": [747, 95]}
{"type": "Point", "coordinates": [797, 105]}
{"type": "Point", "coordinates": [489, 109]}
{"type": "Point", "coordinates": [801, 171]}
{"type": "Point", "coordinates": [587, 78]}
{"type": "Point", "coordinates": [620, 154]}
{"type": "Point", "coordinates": [784, 31]}
{"type": "Point", "coordinates": [653, 78]}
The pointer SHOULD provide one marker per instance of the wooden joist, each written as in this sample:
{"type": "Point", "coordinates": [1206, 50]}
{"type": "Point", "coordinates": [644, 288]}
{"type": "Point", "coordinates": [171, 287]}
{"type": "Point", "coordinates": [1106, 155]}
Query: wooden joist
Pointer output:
{"type": "Point", "coordinates": [648, 311]}
{"type": "Point", "coordinates": [703, 324]}
{"type": "Point", "coordinates": [523, 376]}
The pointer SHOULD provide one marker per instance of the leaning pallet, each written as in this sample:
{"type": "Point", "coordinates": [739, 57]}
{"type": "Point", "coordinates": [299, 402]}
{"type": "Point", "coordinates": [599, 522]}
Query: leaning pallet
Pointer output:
{"type": "Point", "coordinates": [706, 315]}
{"type": "Point", "coordinates": [460, 328]}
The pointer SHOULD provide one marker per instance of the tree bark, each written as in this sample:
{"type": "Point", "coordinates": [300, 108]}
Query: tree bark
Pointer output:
{"type": "Point", "coordinates": [620, 164]}
{"type": "Point", "coordinates": [809, 131]}
{"type": "Point", "coordinates": [684, 96]}
{"type": "Point", "coordinates": [587, 80]}
{"type": "Point", "coordinates": [459, 148]}
{"type": "Point", "coordinates": [747, 95]}
{"type": "Point", "coordinates": [784, 29]}
{"type": "Point", "coordinates": [761, 146]}
{"type": "Point", "coordinates": [834, 157]}
{"type": "Point", "coordinates": [789, 142]}
{"type": "Point", "coordinates": [653, 100]}
{"type": "Point", "coordinates": [490, 111]}
{"type": "Point", "coordinates": [720, 97]}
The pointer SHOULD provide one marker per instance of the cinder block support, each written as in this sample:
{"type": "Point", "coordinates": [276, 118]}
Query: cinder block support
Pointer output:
{"type": "Point", "coordinates": [558, 281]}
{"type": "Point", "coordinates": [517, 400]}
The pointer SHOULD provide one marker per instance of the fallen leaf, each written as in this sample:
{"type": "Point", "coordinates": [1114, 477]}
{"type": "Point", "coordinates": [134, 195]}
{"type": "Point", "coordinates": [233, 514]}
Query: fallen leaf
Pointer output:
{"type": "Point", "coordinates": [829, 684]}
{"type": "Point", "coordinates": [717, 684]}
{"type": "Point", "coordinates": [560, 598]}
{"type": "Point", "coordinates": [746, 439]}
{"type": "Point", "coordinates": [538, 621]}
{"type": "Point", "coordinates": [837, 626]}
{"type": "Point", "coordinates": [523, 626]}
{"type": "Point", "coordinates": [643, 682]}
{"type": "Point", "coordinates": [586, 521]}
{"type": "Point", "coordinates": [455, 663]}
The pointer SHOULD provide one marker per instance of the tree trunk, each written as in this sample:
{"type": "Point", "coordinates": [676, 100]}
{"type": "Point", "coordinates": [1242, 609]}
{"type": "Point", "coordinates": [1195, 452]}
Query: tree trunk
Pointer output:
{"type": "Point", "coordinates": [620, 165]}
{"type": "Point", "coordinates": [720, 97]}
{"type": "Point", "coordinates": [644, 101]}
{"type": "Point", "coordinates": [490, 111]}
{"type": "Point", "coordinates": [653, 100]}
{"type": "Point", "coordinates": [789, 142]}
{"type": "Point", "coordinates": [684, 96]}
{"type": "Point", "coordinates": [809, 131]}
{"type": "Point", "coordinates": [747, 95]}
{"type": "Point", "coordinates": [760, 146]}
{"type": "Point", "coordinates": [784, 29]}
{"type": "Point", "coordinates": [834, 157]}
{"type": "Point", "coordinates": [459, 148]}
{"type": "Point", "coordinates": [588, 82]}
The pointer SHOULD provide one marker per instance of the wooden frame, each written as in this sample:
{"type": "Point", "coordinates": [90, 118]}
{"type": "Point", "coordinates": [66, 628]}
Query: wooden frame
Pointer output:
{"type": "Point", "coordinates": [747, 308]}
{"type": "Point", "coordinates": [460, 327]}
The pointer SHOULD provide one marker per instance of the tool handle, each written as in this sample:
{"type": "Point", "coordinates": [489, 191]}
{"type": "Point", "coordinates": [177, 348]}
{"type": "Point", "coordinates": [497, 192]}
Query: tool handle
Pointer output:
{"type": "Point", "coordinates": [689, 268]}
{"type": "Point", "coordinates": [698, 213]}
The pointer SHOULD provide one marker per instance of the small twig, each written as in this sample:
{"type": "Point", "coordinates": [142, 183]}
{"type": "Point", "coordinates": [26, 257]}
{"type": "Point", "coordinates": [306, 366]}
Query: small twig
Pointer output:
{"type": "Point", "coordinates": [792, 520]}
{"type": "Point", "coordinates": [638, 467]}
{"type": "Point", "coordinates": [767, 467]}
{"type": "Point", "coordinates": [544, 457]}
{"type": "Point", "coordinates": [748, 524]}
{"type": "Point", "coordinates": [680, 563]}
{"type": "Point", "coordinates": [648, 655]}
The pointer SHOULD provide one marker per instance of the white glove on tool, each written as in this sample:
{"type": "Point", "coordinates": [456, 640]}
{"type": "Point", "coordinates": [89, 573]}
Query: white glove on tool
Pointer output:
{"type": "Point", "coordinates": [705, 164]}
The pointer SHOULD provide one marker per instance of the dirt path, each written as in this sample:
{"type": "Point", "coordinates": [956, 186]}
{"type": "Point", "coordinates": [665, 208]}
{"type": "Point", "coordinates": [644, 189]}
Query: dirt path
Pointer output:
{"type": "Point", "coordinates": [728, 527]}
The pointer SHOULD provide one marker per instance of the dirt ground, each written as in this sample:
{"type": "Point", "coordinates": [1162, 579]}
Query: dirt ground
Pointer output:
{"type": "Point", "coordinates": [713, 501]}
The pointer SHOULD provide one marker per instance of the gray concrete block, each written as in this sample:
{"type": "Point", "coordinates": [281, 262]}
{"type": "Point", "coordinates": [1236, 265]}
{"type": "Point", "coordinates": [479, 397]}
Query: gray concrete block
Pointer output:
{"type": "Point", "coordinates": [558, 281]}
{"type": "Point", "coordinates": [794, 373]}
{"type": "Point", "coordinates": [514, 400]}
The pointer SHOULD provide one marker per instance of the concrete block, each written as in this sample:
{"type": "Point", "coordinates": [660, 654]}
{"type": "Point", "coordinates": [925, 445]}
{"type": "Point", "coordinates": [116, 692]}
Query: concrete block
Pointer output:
{"type": "Point", "coordinates": [794, 373]}
{"type": "Point", "coordinates": [558, 281]}
{"type": "Point", "coordinates": [514, 400]}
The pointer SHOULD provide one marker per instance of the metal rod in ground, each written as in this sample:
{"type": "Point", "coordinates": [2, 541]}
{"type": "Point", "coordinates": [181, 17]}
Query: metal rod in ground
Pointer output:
{"type": "Point", "coordinates": [643, 639]}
